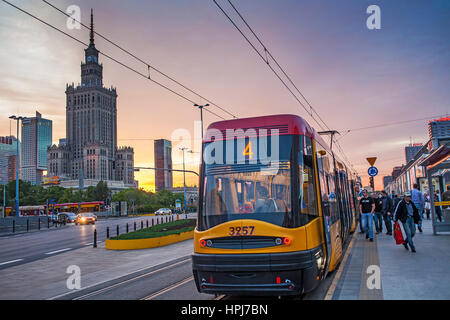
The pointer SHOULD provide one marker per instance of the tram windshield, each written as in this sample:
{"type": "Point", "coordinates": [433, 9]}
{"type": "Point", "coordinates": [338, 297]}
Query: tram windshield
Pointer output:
{"type": "Point", "coordinates": [257, 189]}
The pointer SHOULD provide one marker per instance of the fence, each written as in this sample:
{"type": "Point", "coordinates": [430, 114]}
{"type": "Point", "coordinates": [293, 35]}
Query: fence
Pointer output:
{"type": "Point", "coordinates": [24, 224]}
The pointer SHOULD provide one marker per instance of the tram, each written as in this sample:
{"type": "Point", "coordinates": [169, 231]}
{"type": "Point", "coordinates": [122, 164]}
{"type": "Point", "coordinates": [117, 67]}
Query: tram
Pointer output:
{"type": "Point", "coordinates": [276, 205]}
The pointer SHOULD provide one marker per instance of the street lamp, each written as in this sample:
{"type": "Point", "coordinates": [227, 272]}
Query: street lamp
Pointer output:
{"type": "Point", "coordinates": [184, 179]}
{"type": "Point", "coordinates": [201, 115]}
{"type": "Point", "coordinates": [17, 166]}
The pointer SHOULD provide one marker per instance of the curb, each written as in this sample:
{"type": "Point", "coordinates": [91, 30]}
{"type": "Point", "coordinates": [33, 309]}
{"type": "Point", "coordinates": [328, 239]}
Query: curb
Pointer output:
{"type": "Point", "coordinates": [136, 244]}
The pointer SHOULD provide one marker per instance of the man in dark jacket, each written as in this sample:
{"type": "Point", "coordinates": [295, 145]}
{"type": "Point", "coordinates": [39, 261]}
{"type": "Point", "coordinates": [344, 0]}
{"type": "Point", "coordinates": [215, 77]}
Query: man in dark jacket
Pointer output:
{"type": "Point", "coordinates": [409, 216]}
{"type": "Point", "coordinates": [386, 210]}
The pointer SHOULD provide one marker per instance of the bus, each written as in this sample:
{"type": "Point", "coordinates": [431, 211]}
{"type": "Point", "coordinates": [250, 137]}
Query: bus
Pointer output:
{"type": "Point", "coordinates": [276, 205]}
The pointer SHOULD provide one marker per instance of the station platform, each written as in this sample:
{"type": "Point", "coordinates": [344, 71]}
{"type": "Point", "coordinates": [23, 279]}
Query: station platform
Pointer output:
{"type": "Point", "coordinates": [404, 275]}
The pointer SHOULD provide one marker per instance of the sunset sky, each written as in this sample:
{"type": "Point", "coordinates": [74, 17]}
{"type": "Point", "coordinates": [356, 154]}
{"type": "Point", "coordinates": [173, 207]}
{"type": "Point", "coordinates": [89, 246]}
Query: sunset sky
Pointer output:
{"type": "Point", "coordinates": [354, 77]}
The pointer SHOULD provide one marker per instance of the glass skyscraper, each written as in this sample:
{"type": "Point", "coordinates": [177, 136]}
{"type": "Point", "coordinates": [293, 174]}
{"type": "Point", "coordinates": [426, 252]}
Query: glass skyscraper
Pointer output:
{"type": "Point", "coordinates": [36, 138]}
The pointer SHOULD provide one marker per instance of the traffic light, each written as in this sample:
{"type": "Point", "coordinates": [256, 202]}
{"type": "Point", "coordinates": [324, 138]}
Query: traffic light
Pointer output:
{"type": "Point", "coordinates": [372, 184]}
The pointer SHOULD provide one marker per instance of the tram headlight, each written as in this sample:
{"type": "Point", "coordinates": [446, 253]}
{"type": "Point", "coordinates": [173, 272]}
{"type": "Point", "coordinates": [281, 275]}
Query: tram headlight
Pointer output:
{"type": "Point", "coordinates": [202, 243]}
{"type": "Point", "coordinates": [278, 241]}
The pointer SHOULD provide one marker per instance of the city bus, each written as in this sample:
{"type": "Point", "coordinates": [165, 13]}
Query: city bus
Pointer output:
{"type": "Point", "coordinates": [276, 205]}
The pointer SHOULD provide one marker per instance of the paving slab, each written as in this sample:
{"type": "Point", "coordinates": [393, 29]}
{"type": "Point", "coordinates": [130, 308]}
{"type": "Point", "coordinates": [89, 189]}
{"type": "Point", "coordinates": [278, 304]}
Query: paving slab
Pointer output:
{"type": "Point", "coordinates": [404, 275]}
{"type": "Point", "coordinates": [47, 278]}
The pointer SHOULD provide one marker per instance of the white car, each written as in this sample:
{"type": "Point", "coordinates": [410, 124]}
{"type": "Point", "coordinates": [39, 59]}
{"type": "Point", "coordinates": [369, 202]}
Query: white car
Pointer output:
{"type": "Point", "coordinates": [163, 211]}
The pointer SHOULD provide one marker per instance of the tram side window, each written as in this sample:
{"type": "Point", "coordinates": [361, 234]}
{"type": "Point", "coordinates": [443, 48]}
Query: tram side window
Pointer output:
{"type": "Point", "coordinates": [307, 199]}
{"type": "Point", "coordinates": [323, 164]}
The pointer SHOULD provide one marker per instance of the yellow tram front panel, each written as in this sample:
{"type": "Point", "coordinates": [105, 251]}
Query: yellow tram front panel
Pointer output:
{"type": "Point", "coordinates": [303, 238]}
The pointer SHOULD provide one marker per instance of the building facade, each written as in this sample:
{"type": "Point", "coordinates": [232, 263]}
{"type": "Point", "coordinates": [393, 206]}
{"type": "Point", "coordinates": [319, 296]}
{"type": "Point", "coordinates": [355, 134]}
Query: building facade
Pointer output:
{"type": "Point", "coordinates": [439, 132]}
{"type": "Point", "coordinates": [8, 159]}
{"type": "Point", "coordinates": [411, 151]}
{"type": "Point", "coordinates": [90, 150]}
{"type": "Point", "coordinates": [36, 138]}
{"type": "Point", "coordinates": [163, 160]}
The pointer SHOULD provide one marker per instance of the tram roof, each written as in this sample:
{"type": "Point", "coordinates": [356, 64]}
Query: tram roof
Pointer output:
{"type": "Point", "coordinates": [287, 124]}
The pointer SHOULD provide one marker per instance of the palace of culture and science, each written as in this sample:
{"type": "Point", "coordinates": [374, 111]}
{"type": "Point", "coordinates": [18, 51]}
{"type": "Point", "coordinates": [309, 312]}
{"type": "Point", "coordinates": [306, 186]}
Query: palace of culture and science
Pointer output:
{"type": "Point", "coordinates": [89, 153]}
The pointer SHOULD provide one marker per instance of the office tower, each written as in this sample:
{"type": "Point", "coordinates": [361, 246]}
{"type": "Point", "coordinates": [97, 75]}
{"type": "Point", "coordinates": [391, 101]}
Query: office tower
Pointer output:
{"type": "Point", "coordinates": [163, 160]}
{"type": "Point", "coordinates": [36, 138]}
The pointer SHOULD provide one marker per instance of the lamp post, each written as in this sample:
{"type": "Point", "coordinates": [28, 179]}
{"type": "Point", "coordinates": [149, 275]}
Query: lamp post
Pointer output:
{"type": "Point", "coordinates": [4, 200]}
{"type": "Point", "coordinates": [201, 115]}
{"type": "Point", "coordinates": [184, 180]}
{"type": "Point", "coordinates": [17, 165]}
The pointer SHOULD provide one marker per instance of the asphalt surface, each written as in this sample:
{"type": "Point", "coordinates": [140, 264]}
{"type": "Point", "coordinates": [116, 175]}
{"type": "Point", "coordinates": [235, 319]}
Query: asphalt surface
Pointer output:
{"type": "Point", "coordinates": [27, 247]}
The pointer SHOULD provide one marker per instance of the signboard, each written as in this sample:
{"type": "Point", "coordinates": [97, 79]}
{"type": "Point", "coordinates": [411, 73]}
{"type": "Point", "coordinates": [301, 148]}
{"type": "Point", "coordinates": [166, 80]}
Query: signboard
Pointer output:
{"type": "Point", "coordinates": [52, 180]}
{"type": "Point", "coordinates": [371, 160]}
{"type": "Point", "coordinates": [373, 171]}
{"type": "Point", "coordinates": [178, 203]}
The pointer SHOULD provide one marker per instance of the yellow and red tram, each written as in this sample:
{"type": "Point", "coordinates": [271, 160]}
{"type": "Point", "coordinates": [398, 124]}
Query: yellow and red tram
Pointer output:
{"type": "Point", "coordinates": [275, 207]}
{"type": "Point", "coordinates": [93, 206]}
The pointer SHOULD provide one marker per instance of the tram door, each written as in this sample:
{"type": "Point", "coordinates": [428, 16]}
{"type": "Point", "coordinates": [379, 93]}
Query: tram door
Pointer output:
{"type": "Point", "coordinates": [324, 170]}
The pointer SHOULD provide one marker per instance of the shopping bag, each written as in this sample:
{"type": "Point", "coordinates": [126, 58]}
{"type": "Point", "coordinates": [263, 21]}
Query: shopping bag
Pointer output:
{"type": "Point", "coordinates": [398, 234]}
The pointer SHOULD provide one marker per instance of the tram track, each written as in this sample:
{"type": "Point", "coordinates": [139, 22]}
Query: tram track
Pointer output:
{"type": "Point", "coordinates": [114, 287]}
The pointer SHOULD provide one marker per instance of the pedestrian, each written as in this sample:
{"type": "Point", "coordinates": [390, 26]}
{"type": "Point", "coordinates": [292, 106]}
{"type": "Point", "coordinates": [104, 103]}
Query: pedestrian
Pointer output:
{"type": "Point", "coordinates": [386, 210]}
{"type": "Point", "coordinates": [437, 208]}
{"type": "Point", "coordinates": [408, 215]}
{"type": "Point", "coordinates": [419, 201]}
{"type": "Point", "coordinates": [446, 196]}
{"type": "Point", "coordinates": [367, 208]}
{"type": "Point", "coordinates": [378, 216]}
{"type": "Point", "coordinates": [427, 207]}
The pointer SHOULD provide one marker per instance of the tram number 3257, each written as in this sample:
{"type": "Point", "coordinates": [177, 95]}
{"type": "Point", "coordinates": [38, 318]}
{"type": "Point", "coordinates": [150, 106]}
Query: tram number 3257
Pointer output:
{"type": "Point", "coordinates": [242, 231]}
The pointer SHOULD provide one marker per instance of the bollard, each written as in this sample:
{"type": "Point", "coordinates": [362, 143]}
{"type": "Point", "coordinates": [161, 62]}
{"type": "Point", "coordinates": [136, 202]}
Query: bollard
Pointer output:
{"type": "Point", "coordinates": [135, 226]}
{"type": "Point", "coordinates": [147, 223]}
{"type": "Point", "coordinates": [157, 220]}
{"type": "Point", "coordinates": [117, 230]}
{"type": "Point", "coordinates": [14, 226]}
{"type": "Point", "coordinates": [28, 224]}
{"type": "Point", "coordinates": [127, 227]}
{"type": "Point", "coordinates": [48, 223]}
{"type": "Point", "coordinates": [153, 222]}
{"type": "Point", "coordinates": [95, 238]}
{"type": "Point", "coordinates": [39, 223]}
{"type": "Point", "coordinates": [107, 232]}
{"type": "Point", "coordinates": [142, 224]}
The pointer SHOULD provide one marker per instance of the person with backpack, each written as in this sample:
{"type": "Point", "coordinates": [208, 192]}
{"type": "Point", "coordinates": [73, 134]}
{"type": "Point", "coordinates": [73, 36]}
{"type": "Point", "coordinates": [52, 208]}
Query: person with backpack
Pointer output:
{"type": "Point", "coordinates": [408, 215]}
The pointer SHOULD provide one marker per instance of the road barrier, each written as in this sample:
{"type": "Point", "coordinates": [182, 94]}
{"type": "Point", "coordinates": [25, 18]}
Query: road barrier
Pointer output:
{"type": "Point", "coordinates": [147, 243]}
{"type": "Point", "coordinates": [95, 238]}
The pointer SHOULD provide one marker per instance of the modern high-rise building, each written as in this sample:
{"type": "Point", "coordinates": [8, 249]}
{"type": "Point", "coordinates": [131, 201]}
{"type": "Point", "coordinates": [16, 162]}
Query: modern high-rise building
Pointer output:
{"type": "Point", "coordinates": [439, 131]}
{"type": "Point", "coordinates": [411, 151]}
{"type": "Point", "coordinates": [36, 138]}
{"type": "Point", "coordinates": [387, 180]}
{"type": "Point", "coordinates": [163, 160]}
{"type": "Point", "coordinates": [8, 159]}
{"type": "Point", "coordinates": [89, 152]}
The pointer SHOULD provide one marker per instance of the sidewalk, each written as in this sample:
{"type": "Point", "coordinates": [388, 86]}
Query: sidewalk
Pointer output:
{"type": "Point", "coordinates": [404, 275]}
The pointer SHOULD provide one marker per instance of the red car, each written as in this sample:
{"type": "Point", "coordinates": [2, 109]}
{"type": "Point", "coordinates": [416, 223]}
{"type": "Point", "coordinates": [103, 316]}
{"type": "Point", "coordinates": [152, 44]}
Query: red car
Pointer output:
{"type": "Point", "coordinates": [85, 218]}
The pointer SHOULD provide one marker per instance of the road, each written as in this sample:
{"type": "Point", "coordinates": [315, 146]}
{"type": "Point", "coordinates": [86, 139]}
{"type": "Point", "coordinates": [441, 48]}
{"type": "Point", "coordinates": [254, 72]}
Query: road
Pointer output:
{"type": "Point", "coordinates": [24, 248]}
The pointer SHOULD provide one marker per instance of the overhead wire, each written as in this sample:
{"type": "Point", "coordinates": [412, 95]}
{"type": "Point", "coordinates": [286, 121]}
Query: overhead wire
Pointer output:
{"type": "Point", "coordinates": [148, 65]}
{"type": "Point", "coordinates": [109, 57]}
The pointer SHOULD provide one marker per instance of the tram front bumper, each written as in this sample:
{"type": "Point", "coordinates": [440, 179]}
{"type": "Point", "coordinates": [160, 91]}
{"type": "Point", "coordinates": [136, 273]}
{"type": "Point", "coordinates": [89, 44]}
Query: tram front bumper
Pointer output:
{"type": "Point", "coordinates": [287, 273]}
